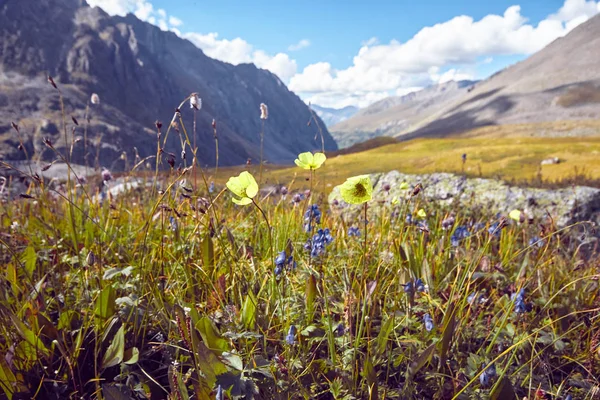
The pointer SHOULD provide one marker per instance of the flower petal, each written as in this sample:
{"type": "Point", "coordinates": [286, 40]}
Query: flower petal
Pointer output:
{"type": "Point", "coordinates": [306, 159]}
{"type": "Point", "coordinates": [318, 160]}
{"type": "Point", "coordinates": [515, 214]}
{"type": "Point", "coordinates": [252, 188]}
{"type": "Point", "coordinates": [242, 202]}
{"type": "Point", "coordinates": [357, 190]}
{"type": "Point", "coordinates": [235, 185]}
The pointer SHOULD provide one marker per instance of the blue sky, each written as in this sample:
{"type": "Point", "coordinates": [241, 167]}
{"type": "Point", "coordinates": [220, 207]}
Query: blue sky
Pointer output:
{"type": "Point", "coordinates": [337, 53]}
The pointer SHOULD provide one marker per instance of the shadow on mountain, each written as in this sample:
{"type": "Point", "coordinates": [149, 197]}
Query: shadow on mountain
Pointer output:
{"type": "Point", "coordinates": [479, 97]}
{"type": "Point", "coordinates": [462, 121]}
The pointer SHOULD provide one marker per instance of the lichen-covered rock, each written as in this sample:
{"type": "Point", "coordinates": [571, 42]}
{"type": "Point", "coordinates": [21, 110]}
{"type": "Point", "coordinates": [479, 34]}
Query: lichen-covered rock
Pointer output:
{"type": "Point", "coordinates": [563, 206]}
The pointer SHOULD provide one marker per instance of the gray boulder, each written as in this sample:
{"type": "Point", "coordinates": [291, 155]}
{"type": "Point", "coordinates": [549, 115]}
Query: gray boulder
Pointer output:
{"type": "Point", "coordinates": [564, 206]}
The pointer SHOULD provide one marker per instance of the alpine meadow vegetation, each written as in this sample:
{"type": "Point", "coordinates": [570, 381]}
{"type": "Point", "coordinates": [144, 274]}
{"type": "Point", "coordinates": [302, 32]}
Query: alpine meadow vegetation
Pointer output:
{"type": "Point", "coordinates": [181, 288]}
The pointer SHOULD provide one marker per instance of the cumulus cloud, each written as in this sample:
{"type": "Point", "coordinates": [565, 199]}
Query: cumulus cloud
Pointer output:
{"type": "Point", "coordinates": [174, 21]}
{"type": "Point", "coordinates": [302, 44]}
{"type": "Point", "coordinates": [438, 53]}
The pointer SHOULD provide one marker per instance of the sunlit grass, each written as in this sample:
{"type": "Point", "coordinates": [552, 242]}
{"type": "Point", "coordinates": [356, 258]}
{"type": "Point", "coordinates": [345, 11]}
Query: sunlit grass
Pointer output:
{"type": "Point", "coordinates": [172, 290]}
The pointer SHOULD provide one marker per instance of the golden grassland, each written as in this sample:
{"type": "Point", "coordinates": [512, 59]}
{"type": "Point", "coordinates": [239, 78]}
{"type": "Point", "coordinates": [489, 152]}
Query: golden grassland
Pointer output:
{"type": "Point", "coordinates": [509, 158]}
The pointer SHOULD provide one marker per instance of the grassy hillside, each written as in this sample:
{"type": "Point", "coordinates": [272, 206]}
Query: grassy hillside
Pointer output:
{"type": "Point", "coordinates": [508, 158]}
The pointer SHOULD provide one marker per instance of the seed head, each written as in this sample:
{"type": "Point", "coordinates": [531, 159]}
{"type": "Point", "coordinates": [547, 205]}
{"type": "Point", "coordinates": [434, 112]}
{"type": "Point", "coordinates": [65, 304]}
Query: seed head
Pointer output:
{"type": "Point", "coordinates": [195, 102]}
{"type": "Point", "coordinates": [264, 111]}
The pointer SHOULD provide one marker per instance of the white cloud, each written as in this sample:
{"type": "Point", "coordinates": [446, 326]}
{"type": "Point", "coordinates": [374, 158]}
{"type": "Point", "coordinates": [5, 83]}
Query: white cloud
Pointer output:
{"type": "Point", "coordinates": [371, 42]}
{"type": "Point", "coordinates": [174, 21]}
{"type": "Point", "coordinates": [234, 51]}
{"type": "Point", "coordinates": [302, 44]}
{"type": "Point", "coordinates": [437, 53]}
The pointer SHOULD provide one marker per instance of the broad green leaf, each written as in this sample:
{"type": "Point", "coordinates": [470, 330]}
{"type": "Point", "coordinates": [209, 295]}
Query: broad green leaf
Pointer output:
{"type": "Point", "coordinates": [211, 336]}
{"type": "Point", "coordinates": [131, 356]}
{"type": "Point", "coordinates": [249, 311]}
{"type": "Point", "coordinates": [32, 344]}
{"type": "Point", "coordinates": [29, 258]}
{"type": "Point", "coordinates": [383, 336]}
{"type": "Point", "coordinates": [105, 303]}
{"type": "Point", "coordinates": [115, 352]}
{"type": "Point", "coordinates": [233, 360]}
{"type": "Point", "coordinates": [420, 361]}
{"type": "Point", "coordinates": [209, 364]}
{"type": "Point", "coordinates": [112, 272]}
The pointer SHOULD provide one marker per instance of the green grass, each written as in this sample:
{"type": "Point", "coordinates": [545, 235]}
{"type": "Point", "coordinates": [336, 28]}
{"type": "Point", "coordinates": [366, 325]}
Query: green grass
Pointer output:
{"type": "Point", "coordinates": [172, 293]}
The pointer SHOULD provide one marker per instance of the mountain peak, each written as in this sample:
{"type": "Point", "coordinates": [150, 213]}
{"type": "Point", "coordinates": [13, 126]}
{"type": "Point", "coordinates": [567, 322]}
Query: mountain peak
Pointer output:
{"type": "Point", "coordinates": [141, 73]}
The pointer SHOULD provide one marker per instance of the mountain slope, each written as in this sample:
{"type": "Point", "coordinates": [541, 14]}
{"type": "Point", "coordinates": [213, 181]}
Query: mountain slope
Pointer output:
{"type": "Point", "coordinates": [560, 82]}
{"type": "Point", "coordinates": [332, 116]}
{"type": "Point", "coordinates": [141, 75]}
{"type": "Point", "coordinates": [393, 116]}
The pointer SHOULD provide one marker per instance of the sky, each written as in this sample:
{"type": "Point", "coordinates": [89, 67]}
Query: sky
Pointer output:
{"type": "Point", "coordinates": [336, 53]}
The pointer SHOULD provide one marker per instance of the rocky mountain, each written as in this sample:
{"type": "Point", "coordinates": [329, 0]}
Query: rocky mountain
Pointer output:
{"type": "Point", "coordinates": [396, 115]}
{"type": "Point", "coordinates": [560, 82]}
{"type": "Point", "coordinates": [332, 116]}
{"type": "Point", "coordinates": [141, 75]}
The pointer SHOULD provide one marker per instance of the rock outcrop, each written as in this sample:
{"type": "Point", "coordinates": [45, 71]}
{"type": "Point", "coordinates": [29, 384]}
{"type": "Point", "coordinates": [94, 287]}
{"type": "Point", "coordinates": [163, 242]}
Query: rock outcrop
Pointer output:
{"type": "Point", "coordinates": [564, 206]}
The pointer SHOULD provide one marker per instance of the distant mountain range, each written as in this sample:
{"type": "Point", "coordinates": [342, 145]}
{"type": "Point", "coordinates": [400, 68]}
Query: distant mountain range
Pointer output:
{"type": "Point", "coordinates": [141, 74]}
{"type": "Point", "coordinates": [560, 82]}
{"type": "Point", "coordinates": [394, 115]}
{"type": "Point", "coordinates": [332, 116]}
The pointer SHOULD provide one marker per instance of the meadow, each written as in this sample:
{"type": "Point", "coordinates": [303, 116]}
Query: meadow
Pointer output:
{"type": "Point", "coordinates": [182, 290]}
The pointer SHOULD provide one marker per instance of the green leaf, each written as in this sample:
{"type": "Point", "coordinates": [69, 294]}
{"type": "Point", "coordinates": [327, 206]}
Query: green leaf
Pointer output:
{"type": "Point", "coordinates": [105, 303]}
{"type": "Point", "coordinates": [420, 361]}
{"type": "Point", "coordinates": [503, 390]}
{"type": "Point", "coordinates": [7, 379]}
{"type": "Point", "coordinates": [249, 311]}
{"type": "Point", "coordinates": [131, 356]}
{"type": "Point", "coordinates": [448, 324]}
{"type": "Point", "coordinates": [32, 345]}
{"type": "Point", "coordinates": [116, 351]}
{"type": "Point", "coordinates": [208, 253]}
{"type": "Point", "coordinates": [233, 360]}
{"type": "Point", "coordinates": [29, 258]}
{"type": "Point", "coordinates": [209, 364]}
{"type": "Point", "coordinates": [112, 272]}
{"type": "Point", "coordinates": [384, 334]}
{"type": "Point", "coordinates": [311, 294]}
{"type": "Point", "coordinates": [210, 336]}
{"type": "Point", "coordinates": [370, 375]}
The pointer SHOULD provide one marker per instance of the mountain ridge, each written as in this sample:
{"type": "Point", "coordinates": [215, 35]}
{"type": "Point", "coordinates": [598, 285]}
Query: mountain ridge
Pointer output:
{"type": "Point", "coordinates": [332, 116]}
{"type": "Point", "coordinates": [561, 82]}
{"type": "Point", "coordinates": [141, 74]}
{"type": "Point", "coordinates": [397, 114]}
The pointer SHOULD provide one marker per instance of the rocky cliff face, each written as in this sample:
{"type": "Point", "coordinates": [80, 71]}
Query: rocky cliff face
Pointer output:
{"type": "Point", "coordinates": [141, 74]}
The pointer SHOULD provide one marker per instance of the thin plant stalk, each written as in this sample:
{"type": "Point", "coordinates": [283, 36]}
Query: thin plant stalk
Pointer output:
{"type": "Point", "coordinates": [262, 139]}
